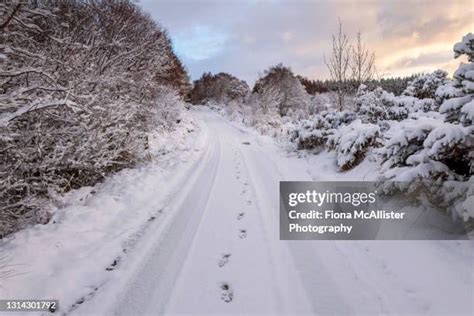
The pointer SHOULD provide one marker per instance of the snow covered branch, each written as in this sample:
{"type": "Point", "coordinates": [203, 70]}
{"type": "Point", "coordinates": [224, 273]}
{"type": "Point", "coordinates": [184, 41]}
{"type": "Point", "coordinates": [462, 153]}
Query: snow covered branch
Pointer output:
{"type": "Point", "coordinates": [77, 98]}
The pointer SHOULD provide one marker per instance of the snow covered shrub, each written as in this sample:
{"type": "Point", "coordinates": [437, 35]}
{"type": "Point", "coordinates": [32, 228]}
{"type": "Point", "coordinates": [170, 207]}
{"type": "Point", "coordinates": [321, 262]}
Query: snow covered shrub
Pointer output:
{"type": "Point", "coordinates": [422, 142]}
{"type": "Point", "coordinates": [424, 86]}
{"type": "Point", "coordinates": [270, 125]}
{"type": "Point", "coordinates": [412, 104]}
{"type": "Point", "coordinates": [310, 135]}
{"type": "Point", "coordinates": [168, 108]}
{"type": "Point", "coordinates": [334, 119]}
{"type": "Point", "coordinates": [379, 105]}
{"type": "Point", "coordinates": [264, 116]}
{"type": "Point", "coordinates": [426, 154]}
{"type": "Point", "coordinates": [313, 133]}
{"type": "Point", "coordinates": [237, 111]}
{"type": "Point", "coordinates": [370, 104]}
{"type": "Point", "coordinates": [447, 91]}
{"type": "Point", "coordinates": [352, 142]}
{"type": "Point", "coordinates": [434, 156]}
{"type": "Point", "coordinates": [79, 90]}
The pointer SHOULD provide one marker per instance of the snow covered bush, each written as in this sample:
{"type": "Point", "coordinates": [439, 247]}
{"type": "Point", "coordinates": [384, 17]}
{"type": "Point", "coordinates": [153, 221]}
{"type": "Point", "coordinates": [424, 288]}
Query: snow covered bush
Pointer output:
{"type": "Point", "coordinates": [424, 86]}
{"type": "Point", "coordinates": [434, 155]}
{"type": "Point", "coordinates": [423, 94]}
{"type": "Point", "coordinates": [351, 143]}
{"type": "Point", "coordinates": [380, 105]}
{"type": "Point", "coordinates": [167, 109]}
{"type": "Point", "coordinates": [426, 154]}
{"type": "Point", "coordinates": [373, 106]}
{"type": "Point", "coordinates": [447, 91]}
{"type": "Point", "coordinates": [81, 86]}
{"type": "Point", "coordinates": [425, 142]}
{"type": "Point", "coordinates": [310, 134]}
{"type": "Point", "coordinates": [334, 119]}
{"type": "Point", "coordinates": [313, 133]}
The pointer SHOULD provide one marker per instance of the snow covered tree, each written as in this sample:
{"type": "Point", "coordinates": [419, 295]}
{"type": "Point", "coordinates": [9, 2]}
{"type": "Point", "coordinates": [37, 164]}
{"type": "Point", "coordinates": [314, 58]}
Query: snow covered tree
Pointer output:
{"type": "Point", "coordinates": [268, 100]}
{"type": "Point", "coordinates": [281, 80]}
{"type": "Point", "coordinates": [362, 62]}
{"type": "Point", "coordinates": [338, 64]}
{"type": "Point", "coordinates": [220, 88]}
{"type": "Point", "coordinates": [435, 155]}
{"type": "Point", "coordinates": [461, 107]}
{"type": "Point", "coordinates": [201, 90]}
{"type": "Point", "coordinates": [80, 85]}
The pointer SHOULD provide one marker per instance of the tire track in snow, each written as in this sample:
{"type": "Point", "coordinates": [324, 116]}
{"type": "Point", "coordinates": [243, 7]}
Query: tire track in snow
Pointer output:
{"type": "Point", "coordinates": [156, 263]}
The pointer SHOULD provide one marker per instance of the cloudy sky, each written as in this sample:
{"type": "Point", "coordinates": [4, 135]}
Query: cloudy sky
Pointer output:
{"type": "Point", "coordinates": [244, 37]}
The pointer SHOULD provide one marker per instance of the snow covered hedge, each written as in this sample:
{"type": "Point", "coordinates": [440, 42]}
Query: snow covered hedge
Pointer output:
{"type": "Point", "coordinates": [77, 98]}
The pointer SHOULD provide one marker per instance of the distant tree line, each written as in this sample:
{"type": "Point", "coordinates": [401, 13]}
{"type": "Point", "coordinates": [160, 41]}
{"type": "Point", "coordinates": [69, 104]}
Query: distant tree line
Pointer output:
{"type": "Point", "coordinates": [223, 86]}
{"type": "Point", "coordinates": [396, 85]}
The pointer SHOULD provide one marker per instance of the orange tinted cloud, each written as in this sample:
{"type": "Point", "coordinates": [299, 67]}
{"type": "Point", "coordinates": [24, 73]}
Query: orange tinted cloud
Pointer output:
{"type": "Point", "coordinates": [411, 36]}
{"type": "Point", "coordinates": [408, 36]}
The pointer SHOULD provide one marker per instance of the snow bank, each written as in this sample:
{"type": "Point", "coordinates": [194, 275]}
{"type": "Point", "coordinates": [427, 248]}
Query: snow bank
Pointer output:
{"type": "Point", "coordinates": [94, 228]}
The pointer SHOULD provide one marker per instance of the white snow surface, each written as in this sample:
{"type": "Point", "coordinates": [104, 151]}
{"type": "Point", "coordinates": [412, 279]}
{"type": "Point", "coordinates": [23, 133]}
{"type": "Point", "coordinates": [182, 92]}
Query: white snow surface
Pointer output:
{"type": "Point", "coordinates": [200, 226]}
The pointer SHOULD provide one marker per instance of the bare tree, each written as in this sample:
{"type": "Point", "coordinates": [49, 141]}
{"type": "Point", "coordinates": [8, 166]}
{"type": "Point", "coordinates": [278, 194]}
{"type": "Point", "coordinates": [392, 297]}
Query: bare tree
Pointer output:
{"type": "Point", "coordinates": [338, 64]}
{"type": "Point", "coordinates": [362, 62]}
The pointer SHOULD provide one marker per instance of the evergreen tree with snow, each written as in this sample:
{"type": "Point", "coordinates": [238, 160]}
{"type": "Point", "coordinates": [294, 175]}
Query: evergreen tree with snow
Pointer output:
{"type": "Point", "coordinates": [461, 108]}
{"type": "Point", "coordinates": [435, 153]}
{"type": "Point", "coordinates": [424, 86]}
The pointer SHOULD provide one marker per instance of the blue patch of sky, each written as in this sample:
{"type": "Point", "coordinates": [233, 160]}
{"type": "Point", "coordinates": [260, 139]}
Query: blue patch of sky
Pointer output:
{"type": "Point", "coordinates": [199, 42]}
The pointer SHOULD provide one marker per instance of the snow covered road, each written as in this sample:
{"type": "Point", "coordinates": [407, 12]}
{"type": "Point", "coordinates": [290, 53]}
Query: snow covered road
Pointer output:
{"type": "Point", "coordinates": [228, 259]}
{"type": "Point", "coordinates": [210, 245]}
{"type": "Point", "coordinates": [221, 254]}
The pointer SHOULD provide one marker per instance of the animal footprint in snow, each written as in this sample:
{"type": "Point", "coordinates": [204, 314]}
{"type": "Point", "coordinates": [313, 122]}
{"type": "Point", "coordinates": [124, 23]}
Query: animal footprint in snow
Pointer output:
{"type": "Point", "coordinates": [226, 293]}
{"type": "Point", "coordinates": [249, 202]}
{"type": "Point", "coordinates": [223, 260]}
{"type": "Point", "coordinates": [113, 265]}
{"type": "Point", "coordinates": [240, 216]}
{"type": "Point", "coordinates": [242, 233]}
